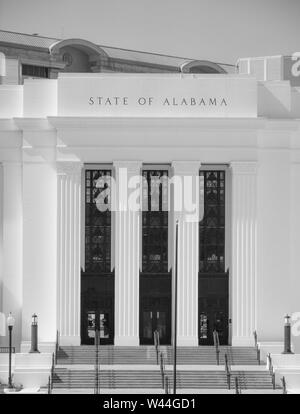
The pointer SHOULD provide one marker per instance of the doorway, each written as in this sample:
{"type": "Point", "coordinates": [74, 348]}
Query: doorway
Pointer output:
{"type": "Point", "coordinates": [101, 320]}
{"type": "Point", "coordinates": [155, 316]}
{"type": "Point", "coordinates": [97, 308]}
{"type": "Point", "coordinates": [213, 315]}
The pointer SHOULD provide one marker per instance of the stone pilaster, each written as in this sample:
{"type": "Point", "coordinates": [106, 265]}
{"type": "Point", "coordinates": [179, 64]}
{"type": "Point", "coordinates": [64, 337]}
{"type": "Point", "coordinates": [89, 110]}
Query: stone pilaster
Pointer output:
{"type": "Point", "coordinates": [186, 206]}
{"type": "Point", "coordinates": [68, 259]}
{"type": "Point", "coordinates": [244, 254]}
{"type": "Point", "coordinates": [127, 252]}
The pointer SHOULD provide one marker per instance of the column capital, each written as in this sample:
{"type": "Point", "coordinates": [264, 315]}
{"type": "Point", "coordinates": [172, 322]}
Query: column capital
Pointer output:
{"type": "Point", "coordinates": [69, 167]}
{"type": "Point", "coordinates": [244, 167]}
{"type": "Point", "coordinates": [131, 166]}
{"type": "Point", "coordinates": [186, 167]}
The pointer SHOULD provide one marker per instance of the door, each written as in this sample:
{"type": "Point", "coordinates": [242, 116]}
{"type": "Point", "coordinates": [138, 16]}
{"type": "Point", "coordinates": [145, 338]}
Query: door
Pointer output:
{"type": "Point", "coordinates": [213, 315]}
{"type": "Point", "coordinates": [155, 317]}
{"type": "Point", "coordinates": [154, 320]}
{"type": "Point", "coordinates": [101, 320]}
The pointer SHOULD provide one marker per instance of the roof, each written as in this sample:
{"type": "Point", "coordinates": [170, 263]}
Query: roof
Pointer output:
{"type": "Point", "coordinates": [41, 42]}
{"type": "Point", "coordinates": [26, 39]}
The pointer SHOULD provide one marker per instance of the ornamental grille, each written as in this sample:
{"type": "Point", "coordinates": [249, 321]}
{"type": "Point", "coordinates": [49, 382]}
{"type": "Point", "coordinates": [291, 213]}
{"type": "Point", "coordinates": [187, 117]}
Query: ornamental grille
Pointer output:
{"type": "Point", "coordinates": [155, 221]}
{"type": "Point", "coordinates": [35, 71]}
{"type": "Point", "coordinates": [97, 221]}
{"type": "Point", "coordinates": [212, 227]}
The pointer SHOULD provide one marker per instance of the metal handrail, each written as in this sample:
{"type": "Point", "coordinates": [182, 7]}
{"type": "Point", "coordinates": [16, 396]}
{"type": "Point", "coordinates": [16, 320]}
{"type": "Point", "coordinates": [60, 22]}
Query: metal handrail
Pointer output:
{"type": "Point", "coordinates": [228, 371]}
{"type": "Point", "coordinates": [270, 363]}
{"type": "Point", "coordinates": [156, 344]}
{"type": "Point", "coordinates": [167, 389]}
{"type": "Point", "coordinates": [50, 380]}
{"type": "Point", "coordinates": [5, 349]}
{"type": "Point", "coordinates": [97, 378]}
{"type": "Point", "coordinates": [49, 385]}
{"type": "Point", "coordinates": [257, 347]}
{"type": "Point", "coordinates": [237, 386]}
{"type": "Point", "coordinates": [284, 389]}
{"type": "Point", "coordinates": [162, 369]}
{"type": "Point", "coordinates": [271, 370]}
{"type": "Point", "coordinates": [217, 345]}
{"type": "Point", "coordinates": [56, 346]}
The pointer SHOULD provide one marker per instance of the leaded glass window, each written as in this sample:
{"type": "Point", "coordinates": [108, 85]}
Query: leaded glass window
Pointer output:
{"type": "Point", "coordinates": [212, 226]}
{"type": "Point", "coordinates": [97, 221]}
{"type": "Point", "coordinates": [155, 221]}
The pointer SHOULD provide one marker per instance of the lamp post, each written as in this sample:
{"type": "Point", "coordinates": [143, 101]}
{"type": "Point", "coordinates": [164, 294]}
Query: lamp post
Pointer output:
{"type": "Point", "coordinates": [34, 334]}
{"type": "Point", "coordinates": [10, 325]}
{"type": "Point", "coordinates": [287, 335]}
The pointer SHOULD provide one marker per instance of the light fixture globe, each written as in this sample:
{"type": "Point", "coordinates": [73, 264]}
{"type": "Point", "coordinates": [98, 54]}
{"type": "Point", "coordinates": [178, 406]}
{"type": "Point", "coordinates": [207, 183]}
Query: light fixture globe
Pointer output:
{"type": "Point", "coordinates": [10, 320]}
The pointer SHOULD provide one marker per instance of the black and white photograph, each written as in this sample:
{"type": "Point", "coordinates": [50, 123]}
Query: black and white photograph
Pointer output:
{"type": "Point", "coordinates": [149, 200]}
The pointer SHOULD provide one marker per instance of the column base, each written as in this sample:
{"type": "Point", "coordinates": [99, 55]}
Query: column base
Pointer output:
{"type": "Point", "coordinates": [69, 340]}
{"type": "Point", "coordinates": [127, 341]}
{"type": "Point", "coordinates": [187, 341]}
{"type": "Point", "coordinates": [242, 341]}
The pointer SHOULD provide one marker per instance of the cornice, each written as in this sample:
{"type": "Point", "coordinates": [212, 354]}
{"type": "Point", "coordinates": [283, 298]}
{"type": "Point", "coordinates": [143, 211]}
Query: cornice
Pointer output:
{"type": "Point", "coordinates": [77, 122]}
{"type": "Point", "coordinates": [156, 122]}
{"type": "Point", "coordinates": [33, 124]}
{"type": "Point", "coordinates": [8, 124]}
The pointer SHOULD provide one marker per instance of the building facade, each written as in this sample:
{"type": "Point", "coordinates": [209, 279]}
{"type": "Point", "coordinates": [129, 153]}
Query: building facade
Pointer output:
{"type": "Point", "coordinates": [97, 169]}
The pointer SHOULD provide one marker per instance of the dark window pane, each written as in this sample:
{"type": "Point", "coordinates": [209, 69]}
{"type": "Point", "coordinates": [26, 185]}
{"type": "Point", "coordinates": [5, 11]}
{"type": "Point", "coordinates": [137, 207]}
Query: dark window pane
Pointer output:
{"type": "Point", "coordinates": [97, 221]}
{"type": "Point", "coordinates": [35, 71]}
{"type": "Point", "coordinates": [212, 226]}
{"type": "Point", "coordinates": [155, 221]}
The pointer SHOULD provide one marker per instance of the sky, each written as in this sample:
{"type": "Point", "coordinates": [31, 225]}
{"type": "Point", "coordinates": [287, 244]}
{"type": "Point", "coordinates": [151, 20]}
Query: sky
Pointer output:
{"type": "Point", "coordinates": [217, 30]}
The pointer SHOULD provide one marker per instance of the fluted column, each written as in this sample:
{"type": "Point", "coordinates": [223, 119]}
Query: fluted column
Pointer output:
{"type": "Point", "coordinates": [11, 256]}
{"type": "Point", "coordinates": [186, 211]}
{"type": "Point", "coordinates": [68, 242]}
{"type": "Point", "coordinates": [244, 254]}
{"type": "Point", "coordinates": [127, 252]}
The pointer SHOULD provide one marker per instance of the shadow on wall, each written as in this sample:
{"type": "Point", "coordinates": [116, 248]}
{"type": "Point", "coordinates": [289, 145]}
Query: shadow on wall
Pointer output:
{"type": "Point", "coordinates": [274, 99]}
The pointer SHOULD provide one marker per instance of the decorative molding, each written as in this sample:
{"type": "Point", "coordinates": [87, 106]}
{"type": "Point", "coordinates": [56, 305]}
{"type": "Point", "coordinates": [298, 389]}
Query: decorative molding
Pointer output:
{"type": "Point", "coordinates": [131, 166]}
{"type": "Point", "coordinates": [33, 124]}
{"type": "Point", "coordinates": [8, 124]}
{"type": "Point", "coordinates": [186, 167]}
{"type": "Point", "coordinates": [200, 124]}
{"type": "Point", "coordinates": [69, 168]}
{"type": "Point", "coordinates": [244, 167]}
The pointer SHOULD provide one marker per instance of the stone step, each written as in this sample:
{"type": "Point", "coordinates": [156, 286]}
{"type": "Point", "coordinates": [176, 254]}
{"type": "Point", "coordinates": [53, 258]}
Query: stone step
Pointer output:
{"type": "Point", "coordinates": [65, 378]}
{"type": "Point", "coordinates": [150, 391]}
{"type": "Point", "coordinates": [109, 354]}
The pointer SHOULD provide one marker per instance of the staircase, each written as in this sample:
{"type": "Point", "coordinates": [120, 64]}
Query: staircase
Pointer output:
{"type": "Point", "coordinates": [145, 355]}
{"type": "Point", "coordinates": [136, 368]}
{"type": "Point", "coordinates": [150, 379]}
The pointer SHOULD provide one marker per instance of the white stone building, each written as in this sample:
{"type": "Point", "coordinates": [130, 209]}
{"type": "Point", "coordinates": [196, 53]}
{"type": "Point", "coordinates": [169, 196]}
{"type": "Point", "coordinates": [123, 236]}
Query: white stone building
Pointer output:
{"type": "Point", "coordinates": [77, 267]}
